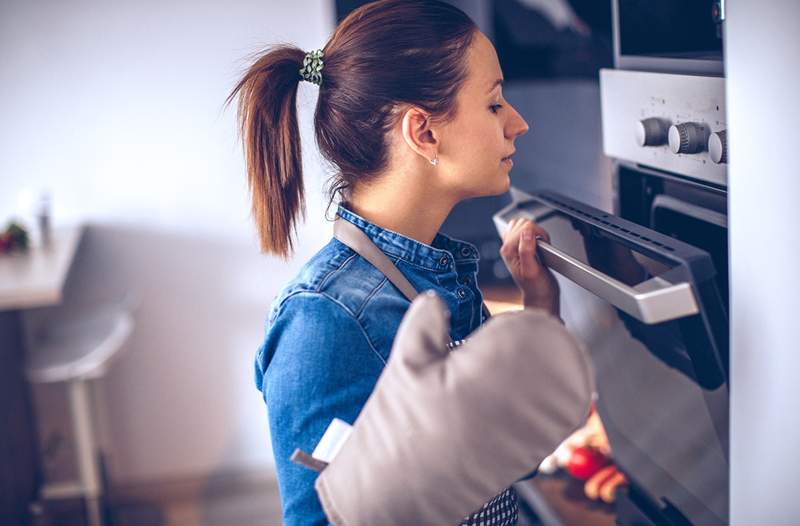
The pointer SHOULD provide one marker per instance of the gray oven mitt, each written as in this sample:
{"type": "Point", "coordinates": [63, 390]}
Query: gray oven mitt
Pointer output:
{"type": "Point", "coordinates": [445, 431]}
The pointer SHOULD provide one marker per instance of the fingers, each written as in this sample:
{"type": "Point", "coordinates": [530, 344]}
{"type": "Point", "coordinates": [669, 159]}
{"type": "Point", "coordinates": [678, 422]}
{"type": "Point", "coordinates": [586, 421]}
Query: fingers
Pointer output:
{"type": "Point", "coordinates": [519, 246]}
{"type": "Point", "coordinates": [518, 224]}
{"type": "Point", "coordinates": [538, 231]}
{"type": "Point", "coordinates": [592, 487]}
{"type": "Point", "coordinates": [608, 489]}
{"type": "Point", "coordinates": [528, 263]}
{"type": "Point", "coordinates": [530, 274]}
{"type": "Point", "coordinates": [511, 237]}
{"type": "Point", "coordinates": [508, 251]}
{"type": "Point", "coordinates": [513, 228]}
{"type": "Point", "coordinates": [603, 484]}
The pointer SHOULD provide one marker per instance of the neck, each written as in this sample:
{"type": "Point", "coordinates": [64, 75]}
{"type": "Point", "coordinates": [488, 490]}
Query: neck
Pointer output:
{"type": "Point", "coordinates": [415, 214]}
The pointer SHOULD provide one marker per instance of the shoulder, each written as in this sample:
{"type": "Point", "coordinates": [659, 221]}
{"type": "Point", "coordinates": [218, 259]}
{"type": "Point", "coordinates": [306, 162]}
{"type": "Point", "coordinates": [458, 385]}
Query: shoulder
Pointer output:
{"type": "Point", "coordinates": [326, 302]}
{"type": "Point", "coordinates": [313, 326]}
{"type": "Point", "coordinates": [337, 273]}
{"type": "Point", "coordinates": [340, 291]}
{"type": "Point", "coordinates": [314, 341]}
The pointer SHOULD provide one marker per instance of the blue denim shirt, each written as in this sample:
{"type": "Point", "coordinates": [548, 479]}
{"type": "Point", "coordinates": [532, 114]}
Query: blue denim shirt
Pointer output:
{"type": "Point", "coordinates": [329, 334]}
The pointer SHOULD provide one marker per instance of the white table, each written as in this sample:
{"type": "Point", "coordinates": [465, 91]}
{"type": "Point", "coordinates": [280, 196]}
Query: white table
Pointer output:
{"type": "Point", "coordinates": [36, 278]}
{"type": "Point", "coordinates": [31, 279]}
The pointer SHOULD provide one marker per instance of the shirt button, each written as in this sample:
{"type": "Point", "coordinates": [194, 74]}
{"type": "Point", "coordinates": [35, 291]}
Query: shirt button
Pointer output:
{"type": "Point", "coordinates": [465, 251]}
{"type": "Point", "coordinates": [461, 293]}
{"type": "Point", "coordinates": [444, 261]}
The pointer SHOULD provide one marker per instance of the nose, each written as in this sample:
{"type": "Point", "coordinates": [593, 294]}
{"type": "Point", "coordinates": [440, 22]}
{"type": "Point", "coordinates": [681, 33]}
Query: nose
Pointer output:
{"type": "Point", "coordinates": [517, 125]}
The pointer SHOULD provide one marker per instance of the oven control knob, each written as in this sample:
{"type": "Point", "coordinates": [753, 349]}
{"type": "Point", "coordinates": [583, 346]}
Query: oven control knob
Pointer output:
{"type": "Point", "coordinates": [718, 146]}
{"type": "Point", "coordinates": [688, 137]}
{"type": "Point", "coordinates": [651, 132]}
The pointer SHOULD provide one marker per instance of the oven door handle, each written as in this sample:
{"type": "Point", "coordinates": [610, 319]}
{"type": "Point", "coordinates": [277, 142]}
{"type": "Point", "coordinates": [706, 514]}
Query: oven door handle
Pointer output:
{"type": "Point", "coordinates": [653, 301]}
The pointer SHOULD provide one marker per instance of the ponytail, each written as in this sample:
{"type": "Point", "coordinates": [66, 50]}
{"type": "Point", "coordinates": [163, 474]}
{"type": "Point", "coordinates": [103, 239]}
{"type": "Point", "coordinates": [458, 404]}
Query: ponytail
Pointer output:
{"type": "Point", "coordinates": [267, 118]}
{"type": "Point", "coordinates": [373, 63]}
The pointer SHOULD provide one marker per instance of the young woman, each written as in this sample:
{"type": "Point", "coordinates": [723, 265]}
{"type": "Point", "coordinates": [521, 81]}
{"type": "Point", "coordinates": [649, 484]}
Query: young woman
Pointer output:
{"type": "Point", "coordinates": [411, 114]}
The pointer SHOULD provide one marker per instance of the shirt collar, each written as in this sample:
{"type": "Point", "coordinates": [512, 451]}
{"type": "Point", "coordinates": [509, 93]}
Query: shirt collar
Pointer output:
{"type": "Point", "coordinates": [439, 256]}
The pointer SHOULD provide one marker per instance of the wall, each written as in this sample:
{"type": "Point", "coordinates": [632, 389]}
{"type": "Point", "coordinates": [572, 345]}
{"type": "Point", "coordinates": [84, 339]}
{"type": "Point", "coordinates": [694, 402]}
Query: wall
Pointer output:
{"type": "Point", "coordinates": [761, 50]}
{"type": "Point", "coordinates": [117, 109]}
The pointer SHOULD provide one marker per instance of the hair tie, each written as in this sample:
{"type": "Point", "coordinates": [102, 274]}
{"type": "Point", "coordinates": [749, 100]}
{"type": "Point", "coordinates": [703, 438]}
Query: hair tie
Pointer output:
{"type": "Point", "coordinates": [312, 67]}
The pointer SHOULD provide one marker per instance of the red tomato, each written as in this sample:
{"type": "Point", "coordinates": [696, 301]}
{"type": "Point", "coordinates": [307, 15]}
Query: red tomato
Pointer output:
{"type": "Point", "coordinates": [585, 462]}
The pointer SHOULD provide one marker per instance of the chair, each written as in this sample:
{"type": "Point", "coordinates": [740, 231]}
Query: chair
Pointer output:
{"type": "Point", "coordinates": [75, 351]}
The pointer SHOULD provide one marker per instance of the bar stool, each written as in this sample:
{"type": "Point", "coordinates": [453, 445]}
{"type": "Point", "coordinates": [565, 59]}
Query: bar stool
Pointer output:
{"type": "Point", "coordinates": [74, 352]}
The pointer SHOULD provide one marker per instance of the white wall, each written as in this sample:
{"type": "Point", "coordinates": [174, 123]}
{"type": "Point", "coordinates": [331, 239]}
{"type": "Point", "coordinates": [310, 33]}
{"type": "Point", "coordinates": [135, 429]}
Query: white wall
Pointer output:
{"type": "Point", "coordinates": [117, 108]}
{"type": "Point", "coordinates": [761, 60]}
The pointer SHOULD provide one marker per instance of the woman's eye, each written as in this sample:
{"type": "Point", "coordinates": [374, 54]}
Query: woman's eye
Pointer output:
{"type": "Point", "coordinates": [495, 107]}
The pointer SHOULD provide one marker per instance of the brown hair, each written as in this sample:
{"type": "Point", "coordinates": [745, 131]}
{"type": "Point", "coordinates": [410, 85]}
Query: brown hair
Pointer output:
{"type": "Point", "coordinates": [382, 55]}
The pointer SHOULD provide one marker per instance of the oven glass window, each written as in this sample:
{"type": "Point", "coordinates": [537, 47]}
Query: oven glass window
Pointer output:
{"type": "Point", "coordinates": [712, 236]}
{"type": "Point", "coordinates": [669, 28]}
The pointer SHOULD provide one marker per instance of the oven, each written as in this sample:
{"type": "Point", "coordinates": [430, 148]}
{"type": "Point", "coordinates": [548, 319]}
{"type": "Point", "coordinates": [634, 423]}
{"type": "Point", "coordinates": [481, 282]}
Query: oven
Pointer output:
{"type": "Point", "coordinates": [647, 299]}
{"type": "Point", "coordinates": [644, 282]}
{"type": "Point", "coordinates": [669, 35]}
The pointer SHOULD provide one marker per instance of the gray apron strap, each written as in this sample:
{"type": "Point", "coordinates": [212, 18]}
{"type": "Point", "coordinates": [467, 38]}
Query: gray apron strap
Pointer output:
{"type": "Point", "coordinates": [353, 237]}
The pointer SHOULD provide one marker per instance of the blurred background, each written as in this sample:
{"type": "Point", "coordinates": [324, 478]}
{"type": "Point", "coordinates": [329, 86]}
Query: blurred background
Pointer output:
{"type": "Point", "coordinates": [116, 111]}
{"type": "Point", "coordinates": [114, 121]}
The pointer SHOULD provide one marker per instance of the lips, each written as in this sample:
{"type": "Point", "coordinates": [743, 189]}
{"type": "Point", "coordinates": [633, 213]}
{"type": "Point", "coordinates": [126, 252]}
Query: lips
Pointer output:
{"type": "Point", "coordinates": [508, 157]}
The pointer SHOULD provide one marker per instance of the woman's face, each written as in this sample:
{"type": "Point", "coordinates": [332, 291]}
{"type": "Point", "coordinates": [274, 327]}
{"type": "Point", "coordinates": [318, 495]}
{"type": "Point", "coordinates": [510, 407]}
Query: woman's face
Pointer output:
{"type": "Point", "coordinates": [472, 146]}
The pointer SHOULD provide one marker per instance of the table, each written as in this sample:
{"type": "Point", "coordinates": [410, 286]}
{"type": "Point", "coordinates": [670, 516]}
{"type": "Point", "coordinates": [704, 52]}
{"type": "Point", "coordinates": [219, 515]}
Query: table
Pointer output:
{"type": "Point", "coordinates": [36, 278]}
{"type": "Point", "coordinates": [32, 279]}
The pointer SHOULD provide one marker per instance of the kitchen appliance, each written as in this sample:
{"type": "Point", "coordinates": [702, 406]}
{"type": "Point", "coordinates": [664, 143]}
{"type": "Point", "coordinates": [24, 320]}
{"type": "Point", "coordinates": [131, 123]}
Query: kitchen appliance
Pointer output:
{"type": "Point", "coordinates": [652, 309]}
{"type": "Point", "coordinates": [644, 282]}
{"type": "Point", "coordinates": [676, 36]}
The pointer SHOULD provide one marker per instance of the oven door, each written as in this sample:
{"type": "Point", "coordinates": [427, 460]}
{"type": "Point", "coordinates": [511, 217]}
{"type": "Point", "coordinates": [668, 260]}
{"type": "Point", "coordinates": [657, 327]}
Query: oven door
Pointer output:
{"type": "Point", "coordinates": [649, 310]}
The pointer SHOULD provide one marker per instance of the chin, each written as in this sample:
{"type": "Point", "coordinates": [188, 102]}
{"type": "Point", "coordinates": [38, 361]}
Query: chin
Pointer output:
{"type": "Point", "coordinates": [498, 185]}
{"type": "Point", "coordinates": [506, 182]}
{"type": "Point", "coordinates": [504, 185]}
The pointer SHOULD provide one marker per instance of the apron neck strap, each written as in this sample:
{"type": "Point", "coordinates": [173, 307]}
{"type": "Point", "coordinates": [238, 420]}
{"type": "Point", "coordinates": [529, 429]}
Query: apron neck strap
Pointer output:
{"type": "Point", "coordinates": [356, 239]}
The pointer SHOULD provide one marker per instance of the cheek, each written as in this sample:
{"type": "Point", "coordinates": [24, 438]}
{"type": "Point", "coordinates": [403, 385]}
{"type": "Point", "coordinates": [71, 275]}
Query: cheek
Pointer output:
{"type": "Point", "coordinates": [475, 148]}
{"type": "Point", "coordinates": [481, 143]}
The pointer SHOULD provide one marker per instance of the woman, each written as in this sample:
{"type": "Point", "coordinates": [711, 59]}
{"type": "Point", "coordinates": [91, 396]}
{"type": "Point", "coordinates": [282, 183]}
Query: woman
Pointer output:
{"type": "Point", "coordinates": [411, 113]}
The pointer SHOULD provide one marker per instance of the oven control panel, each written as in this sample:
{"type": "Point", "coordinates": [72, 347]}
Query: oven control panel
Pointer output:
{"type": "Point", "coordinates": [670, 122]}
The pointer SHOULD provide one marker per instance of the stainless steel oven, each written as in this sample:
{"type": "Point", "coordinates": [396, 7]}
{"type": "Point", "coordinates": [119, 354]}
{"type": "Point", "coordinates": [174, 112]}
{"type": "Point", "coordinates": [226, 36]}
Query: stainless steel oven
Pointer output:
{"type": "Point", "coordinates": [669, 35]}
{"type": "Point", "coordinates": [652, 307]}
{"type": "Point", "coordinates": [644, 282]}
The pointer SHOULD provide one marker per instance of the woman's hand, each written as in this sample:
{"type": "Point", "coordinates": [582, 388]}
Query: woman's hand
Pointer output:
{"type": "Point", "coordinates": [536, 282]}
{"type": "Point", "coordinates": [603, 484]}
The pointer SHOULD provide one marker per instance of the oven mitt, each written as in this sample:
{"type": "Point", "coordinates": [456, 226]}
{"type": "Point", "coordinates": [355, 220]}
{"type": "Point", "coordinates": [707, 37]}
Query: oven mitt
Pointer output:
{"type": "Point", "coordinates": [445, 431]}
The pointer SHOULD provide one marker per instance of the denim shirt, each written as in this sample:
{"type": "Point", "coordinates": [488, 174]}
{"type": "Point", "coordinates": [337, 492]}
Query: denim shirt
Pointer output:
{"type": "Point", "coordinates": [329, 334]}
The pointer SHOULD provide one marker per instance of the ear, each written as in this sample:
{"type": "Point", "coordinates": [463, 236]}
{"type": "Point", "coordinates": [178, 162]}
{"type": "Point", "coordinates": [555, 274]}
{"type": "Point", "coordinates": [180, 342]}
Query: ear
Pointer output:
{"type": "Point", "coordinates": [418, 134]}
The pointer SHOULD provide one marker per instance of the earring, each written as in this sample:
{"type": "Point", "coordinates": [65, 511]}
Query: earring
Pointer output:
{"type": "Point", "coordinates": [435, 160]}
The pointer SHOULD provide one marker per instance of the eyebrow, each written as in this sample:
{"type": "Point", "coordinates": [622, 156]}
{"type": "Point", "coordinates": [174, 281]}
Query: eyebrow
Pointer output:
{"type": "Point", "coordinates": [496, 82]}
